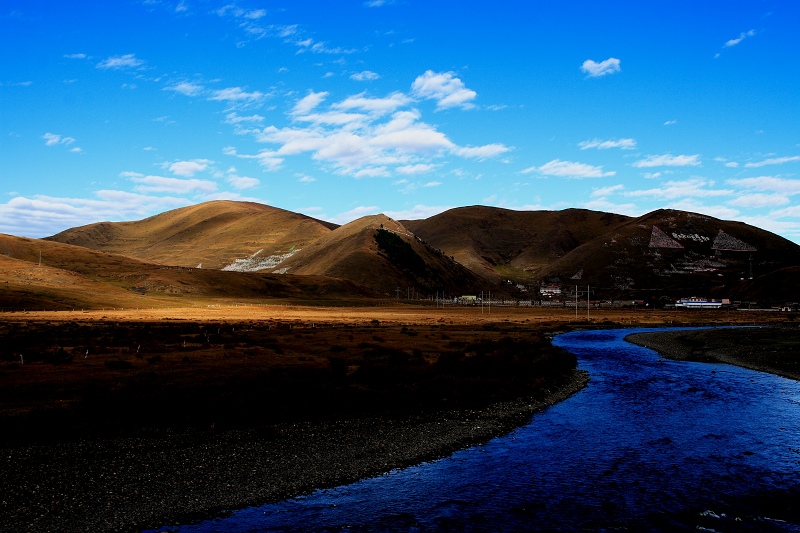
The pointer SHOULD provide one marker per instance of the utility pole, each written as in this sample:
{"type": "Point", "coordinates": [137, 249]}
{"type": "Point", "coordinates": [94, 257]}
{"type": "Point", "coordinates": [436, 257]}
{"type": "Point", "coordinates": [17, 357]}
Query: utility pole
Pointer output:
{"type": "Point", "coordinates": [588, 297]}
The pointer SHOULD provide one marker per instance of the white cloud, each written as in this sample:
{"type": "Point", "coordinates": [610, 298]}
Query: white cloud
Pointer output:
{"type": "Point", "coordinates": [372, 172]}
{"type": "Point", "coordinates": [75, 56]}
{"type": "Point", "coordinates": [732, 164]}
{"type": "Point", "coordinates": [186, 88]}
{"type": "Point", "coordinates": [691, 188]}
{"type": "Point", "coordinates": [378, 3]}
{"type": "Point", "coordinates": [432, 184]}
{"type": "Point", "coordinates": [42, 216]}
{"type": "Point", "coordinates": [379, 106]}
{"type": "Point", "coordinates": [233, 118]}
{"type": "Point", "coordinates": [670, 122]}
{"type": "Point", "coordinates": [172, 185]}
{"type": "Point", "coordinates": [569, 169]}
{"type": "Point", "coordinates": [768, 183]}
{"type": "Point", "coordinates": [317, 47]}
{"type": "Point", "coordinates": [774, 161]}
{"type": "Point", "coordinates": [309, 102]}
{"type": "Point", "coordinates": [52, 139]}
{"type": "Point", "coordinates": [742, 37]}
{"type": "Point", "coordinates": [361, 136]}
{"type": "Point", "coordinates": [793, 211]}
{"type": "Point", "coordinates": [118, 62]}
{"type": "Point", "coordinates": [668, 160]}
{"type": "Point", "coordinates": [594, 69]}
{"type": "Point", "coordinates": [482, 152]}
{"type": "Point", "coordinates": [624, 144]}
{"type": "Point", "coordinates": [445, 88]}
{"type": "Point", "coordinates": [605, 191]}
{"type": "Point", "coordinates": [306, 179]}
{"type": "Point", "coordinates": [420, 168]}
{"type": "Point", "coordinates": [236, 94]}
{"type": "Point", "coordinates": [652, 175]}
{"type": "Point", "coordinates": [256, 14]}
{"type": "Point", "coordinates": [366, 75]}
{"type": "Point", "coordinates": [242, 182]}
{"type": "Point", "coordinates": [760, 200]}
{"type": "Point", "coordinates": [187, 169]}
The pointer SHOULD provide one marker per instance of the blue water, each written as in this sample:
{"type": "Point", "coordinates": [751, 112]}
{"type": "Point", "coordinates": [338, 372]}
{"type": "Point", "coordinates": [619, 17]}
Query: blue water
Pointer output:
{"type": "Point", "coordinates": [649, 445]}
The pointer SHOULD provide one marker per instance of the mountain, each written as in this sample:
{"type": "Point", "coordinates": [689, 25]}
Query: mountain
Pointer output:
{"type": "Point", "coordinates": [241, 236]}
{"type": "Point", "coordinates": [504, 244]}
{"type": "Point", "coordinates": [77, 277]}
{"type": "Point", "coordinates": [382, 254]}
{"type": "Point", "coordinates": [662, 255]}
{"type": "Point", "coordinates": [675, 253]}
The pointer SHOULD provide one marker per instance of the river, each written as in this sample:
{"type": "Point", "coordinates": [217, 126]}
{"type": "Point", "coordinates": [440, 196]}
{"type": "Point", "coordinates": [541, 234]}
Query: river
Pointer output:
{"type": "Point", "coordinates": [650, 445]}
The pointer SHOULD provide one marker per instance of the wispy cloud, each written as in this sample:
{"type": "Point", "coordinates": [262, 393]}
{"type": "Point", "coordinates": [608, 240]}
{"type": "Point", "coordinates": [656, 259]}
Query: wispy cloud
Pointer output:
{"type": "Point", "coordinates": [691, 188]}
{"type": "Point", "coordinates": [606, 191]}
{"type": "Point", "coordinates": [120, 62]}
{"type": "Point", "coordinates": [242, 182]}
{"type": "Point", "coordinates": [52, 139]}
{"type": "Point", "coordinates": [774, 161]}
{"type": "Point", "coordinates": [366, 75]}
{"type": "Point", "coordinates": [309, 102]}
{"type": "Point", "coordinates": [668, 160]}
{"type": "Point", "coordinates": [569, 169]}
{"type": "Point", "coordinates": [760, 200]}
{"type": "Point", "coordinates": [187, 169]}
{"type": "Point", "coordinates": [236, 94]}
{"type": "Point", "coordinates": [593, 69]}
{"type": "Point", "coordinates": [186, 88]}
{"type": "Point", "coordinates": [624, 144]}
{"type": "Point", "coordinates": [421, 168]}
{"type": "Point", "coordinates": [742, 36]}
{"type": "Point", "coordinates": [151, 184]}
{"type": "Point", "coordinates": [768, 183]}
{"type": "Point", "coordinates": [445, 88]}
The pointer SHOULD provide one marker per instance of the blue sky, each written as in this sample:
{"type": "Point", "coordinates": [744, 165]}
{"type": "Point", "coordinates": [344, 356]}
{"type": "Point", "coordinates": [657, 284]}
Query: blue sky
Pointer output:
{"type": "Point", "coordinates": [121, 110]}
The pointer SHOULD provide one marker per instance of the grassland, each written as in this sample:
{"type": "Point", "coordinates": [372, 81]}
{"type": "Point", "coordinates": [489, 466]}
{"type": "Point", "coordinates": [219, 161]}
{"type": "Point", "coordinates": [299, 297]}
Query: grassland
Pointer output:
{"type": "Point", "coordinates": [115, 420]}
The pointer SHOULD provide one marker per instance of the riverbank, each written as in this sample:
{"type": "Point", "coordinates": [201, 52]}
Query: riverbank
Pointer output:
{"type": "Point", "coordinates": [130, 484]}
{"type": "Point", "coordinates": [773, 349]}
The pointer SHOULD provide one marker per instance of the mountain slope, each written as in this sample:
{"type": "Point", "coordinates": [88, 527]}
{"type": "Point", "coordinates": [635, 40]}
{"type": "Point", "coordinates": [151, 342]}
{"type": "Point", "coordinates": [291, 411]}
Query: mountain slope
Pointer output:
{"type": "Point", "coordinates": [675, 253]}
{"type": "Point", "coordinates": [381, 253]}
{"type": "Point", "coordinates": [214, 234]}
{"type": "Point", "coordinates": [500, 243]}
{"type": "Point", "coordinates": [74, 276]}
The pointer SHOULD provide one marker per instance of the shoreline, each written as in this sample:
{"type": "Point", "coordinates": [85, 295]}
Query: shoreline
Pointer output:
{"type": "Point", "coordinates": [752, 348]}
{"type": "Point", "coordinates": [130, 484]}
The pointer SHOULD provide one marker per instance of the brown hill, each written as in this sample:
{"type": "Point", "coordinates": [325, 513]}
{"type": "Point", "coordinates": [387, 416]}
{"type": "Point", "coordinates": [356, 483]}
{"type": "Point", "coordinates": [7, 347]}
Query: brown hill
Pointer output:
{"type": "Point", "coordinates": [504, 244]}
{"type": "Point", "coordinates": [674, 253]}
{"type": "Point", "coordinates": [76, 277]}
{"type": "Point", "coordinates": [381, 253]}
{"type": "Point", "coordinates": [214, 234]}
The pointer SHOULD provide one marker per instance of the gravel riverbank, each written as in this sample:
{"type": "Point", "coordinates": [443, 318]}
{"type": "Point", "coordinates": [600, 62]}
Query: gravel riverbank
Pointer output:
{"type": "Point", "coordinates": [137, 483]}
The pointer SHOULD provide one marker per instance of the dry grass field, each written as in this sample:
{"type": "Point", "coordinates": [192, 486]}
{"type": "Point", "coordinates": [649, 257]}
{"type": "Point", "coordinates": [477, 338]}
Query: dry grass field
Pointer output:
{"type": "Point", "coordinates": [74, 373]}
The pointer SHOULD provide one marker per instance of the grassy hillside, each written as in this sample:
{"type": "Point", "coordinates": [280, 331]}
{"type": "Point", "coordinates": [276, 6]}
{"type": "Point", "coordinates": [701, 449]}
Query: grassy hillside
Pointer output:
{"type": "Point", "coordinates": [213, 234]}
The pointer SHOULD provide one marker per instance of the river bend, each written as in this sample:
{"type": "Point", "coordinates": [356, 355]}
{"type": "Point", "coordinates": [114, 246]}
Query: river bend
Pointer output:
{"type": "Point", "coordinates": [650, 445]}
